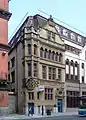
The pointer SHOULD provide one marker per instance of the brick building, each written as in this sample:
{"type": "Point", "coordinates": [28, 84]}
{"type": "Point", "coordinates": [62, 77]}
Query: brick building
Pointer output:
{"type": "Point", "coordinates": [4, 17]}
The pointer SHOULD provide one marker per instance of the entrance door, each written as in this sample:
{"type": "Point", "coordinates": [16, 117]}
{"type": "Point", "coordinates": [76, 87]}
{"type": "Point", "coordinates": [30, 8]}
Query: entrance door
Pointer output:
{"type": "Point", "coordinates": [59, 105]}
{"type": "Point", "coordinates": [31, 108]}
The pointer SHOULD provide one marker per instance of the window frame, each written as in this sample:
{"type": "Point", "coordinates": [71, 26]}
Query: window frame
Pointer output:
{"type": "Point", "coordinates": [35, 49]}
{"type": "Point", "coordinates": [29, 69]}
{"type": "Point", "coordinates": [59, 74]}
{"type": "Point", "coordinates": [44, 73]}
{"type": "Point", "coordinates": [48, 93]}
{"type": "Point", "coordinates": [31, 95]}
{"type": "Point", "coordinates": [29, 49]}
{"type": "Point", "coordinates": [35, 69]}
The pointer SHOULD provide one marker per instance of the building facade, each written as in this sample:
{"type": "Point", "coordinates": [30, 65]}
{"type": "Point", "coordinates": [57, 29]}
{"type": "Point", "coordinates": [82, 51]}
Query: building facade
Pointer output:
{"type": "Point", "coordinates": [4, 17]}
{"type": "Point", "coordinates": [75, 62]}
{"type": "Point", "coordinates": [37, 67]}
{"type": "Point", "coordinates": [47, 67]}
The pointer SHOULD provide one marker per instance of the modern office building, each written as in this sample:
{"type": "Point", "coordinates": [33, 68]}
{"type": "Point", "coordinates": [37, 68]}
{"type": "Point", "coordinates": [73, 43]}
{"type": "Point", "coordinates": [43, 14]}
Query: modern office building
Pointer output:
{"type": "Point", "coordinates": [4, 17]}
{"type": "Point", "coordinates": [37, 67]}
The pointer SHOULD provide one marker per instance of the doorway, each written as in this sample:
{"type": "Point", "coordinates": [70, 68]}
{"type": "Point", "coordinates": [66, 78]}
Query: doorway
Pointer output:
{"type": "Point", "coordinates": [31, 108]}
{"type": "Point", "coordinates": [59, 105]}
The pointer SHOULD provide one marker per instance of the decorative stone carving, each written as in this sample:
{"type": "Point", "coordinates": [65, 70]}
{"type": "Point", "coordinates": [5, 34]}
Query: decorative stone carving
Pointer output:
{"type": "Point", "coordinates": [59, 92]}
{"type": "Point", "coordinates": [31, 83]}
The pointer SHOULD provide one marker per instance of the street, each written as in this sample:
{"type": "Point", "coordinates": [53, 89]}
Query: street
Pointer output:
{"type": "Point", "coordinates": [61, 118]}
{"type": "Point", "coordinates": [69, 117]}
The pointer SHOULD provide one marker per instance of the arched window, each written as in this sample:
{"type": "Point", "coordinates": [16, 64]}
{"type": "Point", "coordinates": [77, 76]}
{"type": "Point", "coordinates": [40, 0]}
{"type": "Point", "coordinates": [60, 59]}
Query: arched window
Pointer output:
{"type": "Point", "coordinates": [41, 52]}
{"type": "Point", "coordinates": [67, 61]}
{"type": "Point", "coordinates": [76, 64]}
{"type": "Point", "coordinates": [45, 53]}
{"type": "Point", "coordinates": [72, 63]}
{"type": "Point", "coordinates": [72, 70]}
{"type": "Point", "coordinates": [49, 54]}
{"type": "Point", "coordinates": [35, 49]}
{"type": "Point", "coordinates": [60, 57]}
{"type": "Point", "coordinates": [53, 54]}
{"type": "Point", "coordinates": [56, 57]}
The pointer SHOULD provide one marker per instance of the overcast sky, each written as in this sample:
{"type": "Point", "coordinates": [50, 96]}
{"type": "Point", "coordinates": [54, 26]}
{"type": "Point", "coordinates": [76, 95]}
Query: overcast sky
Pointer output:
{"type": "Point", "coordinates": [72, 12]}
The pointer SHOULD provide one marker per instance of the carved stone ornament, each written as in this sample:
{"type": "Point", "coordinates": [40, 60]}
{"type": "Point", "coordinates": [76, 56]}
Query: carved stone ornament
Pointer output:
{"type": "Point", "coordinates": [59, 92]}
{"type": "Point", "coordinates": [31, 84]}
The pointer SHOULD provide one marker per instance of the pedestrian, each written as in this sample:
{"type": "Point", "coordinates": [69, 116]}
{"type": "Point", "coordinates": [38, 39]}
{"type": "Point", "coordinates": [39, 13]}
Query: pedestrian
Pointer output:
{"type": "Point", "coordinates": [29, 111]}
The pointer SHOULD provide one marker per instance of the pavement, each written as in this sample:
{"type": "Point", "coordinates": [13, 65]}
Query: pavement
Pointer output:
{"type": "Point", "coordinates": [22, 117]}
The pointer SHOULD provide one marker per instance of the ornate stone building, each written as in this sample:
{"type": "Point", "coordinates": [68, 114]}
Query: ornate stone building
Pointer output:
{"type": "Point", "coordinates": [37, 66]}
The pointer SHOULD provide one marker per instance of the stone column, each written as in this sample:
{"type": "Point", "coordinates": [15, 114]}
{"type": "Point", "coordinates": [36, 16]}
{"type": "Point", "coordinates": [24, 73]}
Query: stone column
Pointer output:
{"type": "Point", "coordinates": [44, 111]}
{"type": "Point", "coordinates": [56, 73]}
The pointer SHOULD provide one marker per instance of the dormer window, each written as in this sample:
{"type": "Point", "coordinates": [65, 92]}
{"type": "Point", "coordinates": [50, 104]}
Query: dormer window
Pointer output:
{"type": "Point", "coordinates": [72, 36]}
{"type": "Point", "coordinates": [58, 29]}
{"type": "Point", "coordinates": [79, 39]}
{"type": "Point", "coordinates": [65, 33]}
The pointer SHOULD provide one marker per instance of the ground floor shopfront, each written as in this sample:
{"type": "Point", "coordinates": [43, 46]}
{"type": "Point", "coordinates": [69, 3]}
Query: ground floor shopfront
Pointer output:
{"type": "Point", "coordinates": [45, 98]}
{"type": "Point", "coordinates": [73, 92]}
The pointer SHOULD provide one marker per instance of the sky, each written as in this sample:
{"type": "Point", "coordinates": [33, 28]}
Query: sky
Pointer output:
{"type": "Point", "coordinates": [71, 12]}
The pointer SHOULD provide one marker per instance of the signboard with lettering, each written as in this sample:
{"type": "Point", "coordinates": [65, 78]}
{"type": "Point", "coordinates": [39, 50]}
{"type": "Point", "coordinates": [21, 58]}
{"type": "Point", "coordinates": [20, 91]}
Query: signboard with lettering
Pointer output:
{"type": "Point", "coordinates": [41, 88]}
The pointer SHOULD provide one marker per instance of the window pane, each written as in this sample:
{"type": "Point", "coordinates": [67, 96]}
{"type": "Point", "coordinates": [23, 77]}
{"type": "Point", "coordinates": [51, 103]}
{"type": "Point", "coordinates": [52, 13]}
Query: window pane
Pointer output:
{"type": "Point", "coordinates": [13, 61]}
{"type": "Point", "coordinates": [44, 72]}
{"type": "Point", "coordinates": [48, 94]}
{"type": "Point", "coordinates": [53, 55]}
{"type": "Point", "coordinates": [35, 69]}
{"type": "Point", "coordinates": [50, 72]}
{"type": "Point", "coordinates": [49, 55]}
{"type": "Point", "coordinates": [13, 76]}
{"type": "Point", "coordinates": [29, 49]}
{"type": "Point", "coordinates": [54, 73]}
{"type": "Point", "coordinates": [45, 54]}
{"type": "Point", "coordinates": [59, 74]}
{"type": "Point", "coordinates": [29, 69]}
{"type": "Point", "coordinates": [35, 49]}
{"type": "Point", "coordinates": [41, 52]}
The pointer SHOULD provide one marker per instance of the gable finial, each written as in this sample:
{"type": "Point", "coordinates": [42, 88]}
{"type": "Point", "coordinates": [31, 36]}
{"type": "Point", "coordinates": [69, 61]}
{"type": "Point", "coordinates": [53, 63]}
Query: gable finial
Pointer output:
{"type": "Point", "coordinates": [51, 18]}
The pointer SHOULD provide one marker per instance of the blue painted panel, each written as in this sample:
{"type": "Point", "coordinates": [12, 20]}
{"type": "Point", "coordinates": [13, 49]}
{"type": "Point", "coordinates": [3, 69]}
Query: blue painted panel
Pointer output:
{"type": "Point", "coordinates": [59, 105]}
